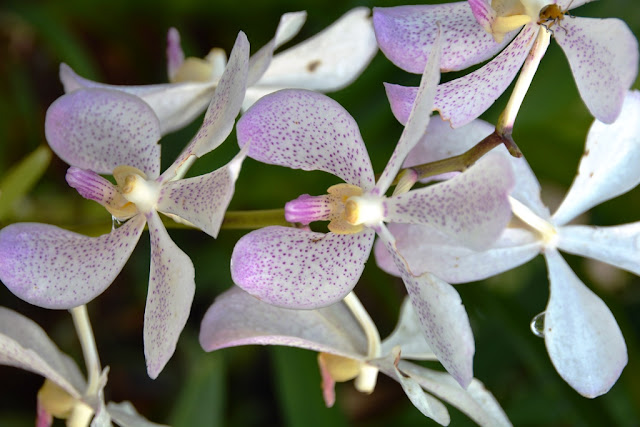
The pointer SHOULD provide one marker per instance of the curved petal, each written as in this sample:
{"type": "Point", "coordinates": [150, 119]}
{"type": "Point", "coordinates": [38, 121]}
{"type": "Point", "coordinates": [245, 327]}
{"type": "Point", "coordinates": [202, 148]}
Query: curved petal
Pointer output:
{"type": "Point", "coordinates": [175, 55]}
{"type": "Point", "coordinates": [171, 289]}
{"type": "Point", "coordinates": [426, 249]}
{"type": "Point", "coordinates": [609, 166]}
{"type": "Point", "coordinates": [100, 129]}
{"type": "Point", "coordinates": [202, 200]}
{"type": "Point", "coordinates": [237, 318]}
{"type": "Point", "coordinates": [306, 130]}
{"type": "Point", "coordinates": [175, 104]}
{"type": "Point", "coordinates": [25, 345]}
{"type": "Point", "coordinates": [582, 337]}
{"type": "Point", "coordinates": [223, 109]}
{"type": "Point", "coordinates": [603, 55]}
{"type": "Point", "coordinates": [318, 63]}
{"type": "Point", "coordinates": [406, 34]}
{"type": "Point", "coordinates": [619, 245]}
{"type": "Point", "coordinates": [571, 4]}
{"type": "Point", "coordinates": [483, 12]}
{"type": "Point", "coordinates": [289, 25]}
{"type": "Point", "coordinates": [55, 268]}
{"type": "Point", "coordinates": [125, 415]}
{"type": "Point", "coordinates": [445, 323]}
{"type": "Point", "coordinates": [295, 268]}
{"type": "Point", "coordinates": [408, 335]}
{"type": "Point", "coordinates": [473, 207]}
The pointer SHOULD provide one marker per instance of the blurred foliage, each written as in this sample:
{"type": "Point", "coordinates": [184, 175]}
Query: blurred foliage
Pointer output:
{"type": "Point", "coordinates": [123, 42]}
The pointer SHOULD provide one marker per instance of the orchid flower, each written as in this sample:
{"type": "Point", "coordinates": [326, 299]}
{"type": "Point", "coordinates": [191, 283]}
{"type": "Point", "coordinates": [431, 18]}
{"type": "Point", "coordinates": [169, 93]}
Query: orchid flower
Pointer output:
{"type": "Point", "coordinates": [100, 131]}
{"type": "Point", "coordinates": [298, 268]}
{"type": "Point", "coordinates": [582, 337]}
{"type": "Point", "coordinates": [349, 347]}
{"type": "Point", "coordinates": [65, 394]}
{"type": "Point", "coordinates": [602, 53]}
{"type": "Point", "coordinates": [315, 64]}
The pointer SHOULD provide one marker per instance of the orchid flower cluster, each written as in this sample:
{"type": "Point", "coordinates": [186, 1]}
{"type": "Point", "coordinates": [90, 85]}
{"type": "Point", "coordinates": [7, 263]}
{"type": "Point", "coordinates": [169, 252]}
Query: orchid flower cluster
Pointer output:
{"type": "Point", "coordinates": [465, 204]}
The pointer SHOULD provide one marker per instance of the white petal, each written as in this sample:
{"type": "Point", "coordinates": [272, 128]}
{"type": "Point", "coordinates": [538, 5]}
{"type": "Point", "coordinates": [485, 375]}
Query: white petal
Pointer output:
{"type": "Point", "coordinates": [125, 415]}
{"type": "Point", "coordinates": [609, 166]}
{"type": "Point", "coordinates": [582, 337]}
{"type": "Point", "coordinates": [171, 290]}
{"type": "Point", "coordinates": [408, 336]}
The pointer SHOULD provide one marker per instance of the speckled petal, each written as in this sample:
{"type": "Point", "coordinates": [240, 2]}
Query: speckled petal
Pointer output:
{"type": "Point", "coordinates": [55, 268]}
{"type": "Point", "coordinates": [289, 25]}
{"type": "Point", "coordinates": [296, 268]}
{"type": "Point", "coordinates": [406, 34]}
{"type": "Point", "coordinates": [408, 335]}
{"type": "Point", "coordinates": [306, 130]}
{"type": "Point", "coordinates": [571, 4]}
{"type": "Point", "coordinates": [609, 166]}
{"type": "Point", "coordinates": [171, 289]}
{"type": "Point", "coordinates": [175, 55]}
{"type": "Point", "coordinates": [202, 200]}
{"type": "Point", "coordinates": [462, 100]}
{"type": "Point", "coordinates": [318, 62]}
{"type": "Point", "coordinates": [175, 104]}
{"type": "Point", "coordinates": [483, 13]}
{"type": "Point", "coordinates": [473, 208]}
{"type": "Point", "coordinates": [476, 401]}
{"type": "Point", "coordinates": [427, 250]}
{"type": "Point", "coordinates": [25, 345]}
{"type": "Point", "coordinates": [582, 337]}
{"type": "Point", "coordinates": [603, 55]}
{"type": "Point", "coordinates": [418, 118]}
{"type": "Point", "coordinates": [223, 109]}
{"type": "Point", "coordinates": [618, 245]}
{"type": "Point", "coordinates": [445, 323]}
{"type": "Point", "coordinates": [237, 318]}
{"type": "Point", "coordinates": [100, 129]}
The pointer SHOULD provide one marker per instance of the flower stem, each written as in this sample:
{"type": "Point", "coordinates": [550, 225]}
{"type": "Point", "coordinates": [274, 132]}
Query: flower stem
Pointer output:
{"type": "Point", "coordinates": [89, 348]}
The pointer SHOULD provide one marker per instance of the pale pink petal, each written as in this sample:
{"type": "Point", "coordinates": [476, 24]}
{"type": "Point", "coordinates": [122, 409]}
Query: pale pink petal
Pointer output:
{"type": "Point", "coordinates": [306, 130]}
{"type": "Point", "coordinates": [237, 318]}
{"type": "Point", "coordinates": [609, 166]}
{"type": "Point", "coordinates": [328, 383]}
{"type": "Point", "coordinates": [202, 200]}
{"type": "Point", "coordinates": [445, 323]}
{"type": "Point", "coordinates": [473, 208]}
{"type": "Point", "coordinates": [175, 55]}
{"type": "Point", "coordinates": [296, 268]}
{"type": "Point", "coordinates": [418, 118]}
{"type": "Point", "coordinates": [92, 186]}
{"type": "Point", "coordinates": [603, 55]}
{"type": "Point", "coordinates": [483, 12]}
{"type": "Point", "coordinates": [318, 63]}
{"type": "Point", "coordinates": [125, 415]}
{"type": "Point", "coordinates": [25, 345]}
{"type": "Point", "coordinates": [171, 289]}
{"type": "Point", "coordinates": [619, 245]}
{"type": "Point", "coordinates": [401, 100]}
{"type": "Point", "coordinates": [426, 249]}
{"type": "Point", "coordinates": [99, 129]}
{"type": "Point", "coordinates": [408, 335]}
{"type": "Point", "coordinates": [223, 109]}
{"type": "Point", "coordinates": [407, 33]}
{"type": "Point", "coordinates": [175, 104]}
{"type": "Point", "coordinates": [582, 337]}
{"type": "Point", "coordinates": [55, 268]}
{"type": "Point", "coordinates": [476, 401]}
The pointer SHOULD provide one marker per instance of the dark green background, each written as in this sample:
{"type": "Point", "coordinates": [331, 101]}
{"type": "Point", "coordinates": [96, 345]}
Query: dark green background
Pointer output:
{"type": "Point", "coordinates": [123, 42]}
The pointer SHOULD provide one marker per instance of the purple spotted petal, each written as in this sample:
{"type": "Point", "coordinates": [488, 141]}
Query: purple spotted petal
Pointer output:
{"type": "Point", "coordinates": [100, 129]}
{"type": "Point", "coordinates": [306, 130]}
{"type": "Point", "coordinates": [609, 166]}
{"type": "Point", "coordinates": [571, 4]}
{"type": "Point", "coordinates": [603, 55]}
{"type": "Point", "coordinates": [202, 200]}
{"type": "Point", "coordinates": [288, 27]}
{"type": "Point", "coordinates": [223, 109]}
{"type": "Point", "coordinates": [175, 104]}
{"type": "Point", "coordinates": [237, 318]}
{"type": "Point", "coordinates": [425, 249]}
{"type": "Point", "coordinates": [175, 55]}
{"type": "Point", "coordinates": [582, 337]}
{"type": "Point", "coordinates": [406, 34]}
{"type": "Point", "coordinates": [55, 268]}
{"type": "Point", "coordinates": [25, 345]}
{"type": "Point", "coordinates": [418, 118]}
{"type": "Point", "coordinates": [445, 323]}
{"type": "Point", "coordinates": [171, 289]}
{"type": "Point", "coordinates": [296, 268]}
{"type": "Point", "coordinates": [318, 62]}
{"type": "Point", "coordinates": [618, 245]}
{"type": "Point", "coordinates": [408, 334]}
{"type": "Point", "coordinates": [473, 207]}
{"type": "Point", "coordinates": [483, 13]}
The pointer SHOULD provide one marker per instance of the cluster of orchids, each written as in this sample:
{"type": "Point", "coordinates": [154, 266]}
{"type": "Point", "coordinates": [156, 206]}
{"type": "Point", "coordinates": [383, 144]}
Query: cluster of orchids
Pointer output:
{"type": "Point", "coordinates": [465, 204]}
